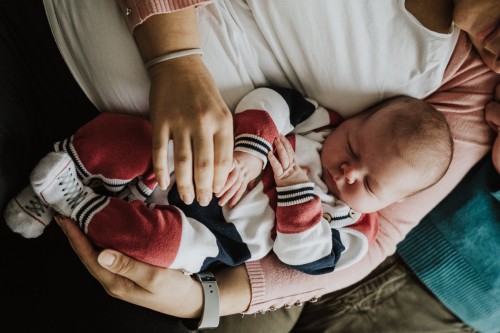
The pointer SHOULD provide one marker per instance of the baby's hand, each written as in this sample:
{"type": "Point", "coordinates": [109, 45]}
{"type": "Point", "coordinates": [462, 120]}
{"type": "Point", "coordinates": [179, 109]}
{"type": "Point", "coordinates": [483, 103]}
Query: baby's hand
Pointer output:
{"type": "Point", "coordinates": [285, 167]}
{"type": "Point", "coordinates": [246, 167]}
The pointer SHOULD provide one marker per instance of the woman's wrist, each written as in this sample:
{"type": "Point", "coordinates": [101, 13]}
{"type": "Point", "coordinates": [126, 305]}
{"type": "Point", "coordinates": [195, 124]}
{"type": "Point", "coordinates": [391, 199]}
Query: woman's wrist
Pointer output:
{"type": "Point", "coordinates": [170, 287]}
{"type": "Point", "coordinates": [164, 34]}
{"type": "Point", "coordinates": [233, 287]}
{"type": "Point", "coordinates": [234, 290]}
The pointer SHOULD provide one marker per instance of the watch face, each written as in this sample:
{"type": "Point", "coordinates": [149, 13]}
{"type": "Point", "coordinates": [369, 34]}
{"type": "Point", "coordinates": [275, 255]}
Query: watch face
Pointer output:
{"type": "Point", "coordinates": [208, 278]}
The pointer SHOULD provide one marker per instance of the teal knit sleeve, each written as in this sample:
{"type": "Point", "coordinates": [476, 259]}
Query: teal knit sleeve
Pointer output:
{"type": "Point", "coordinates": [455, 249]}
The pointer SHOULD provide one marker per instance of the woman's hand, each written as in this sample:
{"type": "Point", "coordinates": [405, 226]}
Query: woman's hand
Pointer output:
{"type": "Point", "coordinates": [493, 118]}
{"type": "Point", "coordinates": [133, 281]}
{"type": "Point", "coordinates": [185, 106]}
{"type": "Point", "coordinates": [153, 287]}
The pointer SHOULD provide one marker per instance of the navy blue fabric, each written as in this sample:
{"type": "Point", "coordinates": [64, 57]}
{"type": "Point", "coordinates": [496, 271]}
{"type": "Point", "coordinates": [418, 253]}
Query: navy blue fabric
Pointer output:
{"type": "Point", "coordinates": [324, 265]}
{"type": "Point", "coordinates": [300, 108]}
{"type": "Point", "coordinates": [232, 250]}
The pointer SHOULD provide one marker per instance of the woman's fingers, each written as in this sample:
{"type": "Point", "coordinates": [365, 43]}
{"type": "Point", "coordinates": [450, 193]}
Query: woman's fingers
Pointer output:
{"type": "Point", "coordinates": [119, 275]}
{"type": "Point", "coordinates": [183, 164]}
{"type": "Point", "coordinates": [139, 273]}
{"type": "Point", "coordinates": [129, 279]}
{"type": "Point", "coordinates": [194, 115]}
{"type": "Point", "coordinates": [203, 151]}
{"type": "Point", "coordinates": [202, 163]}
{"type": "Point", "coordinates": [84, 249]}
{"type": "Point", "coordinates": [223, 156]}
{"type": "Point", "coordinates": [161, 137]}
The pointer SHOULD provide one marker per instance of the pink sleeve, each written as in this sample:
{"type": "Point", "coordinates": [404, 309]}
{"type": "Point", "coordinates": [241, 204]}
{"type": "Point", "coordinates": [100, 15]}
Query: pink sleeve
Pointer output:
{"type": "Point", "coordinates": [138, 11]}
{"type": "Point", "coordinates": [467, 86]}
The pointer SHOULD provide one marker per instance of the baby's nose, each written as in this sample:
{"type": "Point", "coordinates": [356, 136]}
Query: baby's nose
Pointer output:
{"type": "Point", "coordinates": [351, 174]}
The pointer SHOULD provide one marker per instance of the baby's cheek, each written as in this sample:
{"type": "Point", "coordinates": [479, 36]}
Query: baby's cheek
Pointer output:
{"type": "Point", "coordinates": [358, 199]}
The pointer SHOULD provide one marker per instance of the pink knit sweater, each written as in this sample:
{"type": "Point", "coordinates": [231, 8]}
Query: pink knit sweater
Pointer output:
{"type": "Point", "coordinates": [137, 11]}
{"type": "Point", "coordinates": [467, 86]}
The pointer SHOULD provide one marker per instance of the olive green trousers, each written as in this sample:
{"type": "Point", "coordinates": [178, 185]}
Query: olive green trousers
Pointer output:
{"type": "Point", "coordinates": [390, 300]}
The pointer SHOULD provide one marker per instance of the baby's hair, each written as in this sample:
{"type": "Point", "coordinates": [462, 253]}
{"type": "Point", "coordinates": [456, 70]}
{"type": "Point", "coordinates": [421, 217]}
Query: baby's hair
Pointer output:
{"type": "Point", "coordinates": [421, 136]}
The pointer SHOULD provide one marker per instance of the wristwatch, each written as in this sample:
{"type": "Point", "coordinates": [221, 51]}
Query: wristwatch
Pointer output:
{"type": "Point", "coordinates": [210, 316]}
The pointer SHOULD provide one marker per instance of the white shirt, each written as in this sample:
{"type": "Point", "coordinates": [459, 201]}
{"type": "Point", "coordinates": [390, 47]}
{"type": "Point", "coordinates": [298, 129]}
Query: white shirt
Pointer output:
{"type": "Point", "coordinates": [345, 54]}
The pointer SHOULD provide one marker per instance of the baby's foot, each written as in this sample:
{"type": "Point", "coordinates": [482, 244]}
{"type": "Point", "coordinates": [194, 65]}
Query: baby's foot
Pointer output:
{"type": "Point", "coordinates": [27, 215]}
{"type": "Point", "coordinates": [55, 181]}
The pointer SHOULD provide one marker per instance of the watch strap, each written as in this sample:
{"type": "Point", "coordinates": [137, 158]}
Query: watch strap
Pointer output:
{"type": "Point", "coordinates": [210, 314]}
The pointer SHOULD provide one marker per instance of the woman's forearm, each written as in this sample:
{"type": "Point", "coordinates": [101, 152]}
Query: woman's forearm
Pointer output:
{"type": "Point", "coordinates": [166, 33]}
{"type": "Point", "coordinates": [234, 290]}
{"type": "Point", "coordinates": [234, 293]}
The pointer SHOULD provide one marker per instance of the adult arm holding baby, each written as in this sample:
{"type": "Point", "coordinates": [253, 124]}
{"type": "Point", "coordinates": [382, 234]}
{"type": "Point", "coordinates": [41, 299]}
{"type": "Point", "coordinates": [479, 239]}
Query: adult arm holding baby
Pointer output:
{"type": "Point", "coordinates": [192, 114]}
{"type": "Point", "coordinates": [150, 287]}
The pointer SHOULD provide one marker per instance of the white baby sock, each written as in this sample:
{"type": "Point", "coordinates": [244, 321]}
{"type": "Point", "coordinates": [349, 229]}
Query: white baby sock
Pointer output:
{"type": "Point", "coordinates": [27, 215]}
{"type": "Point", "coordinates": [55, 181]}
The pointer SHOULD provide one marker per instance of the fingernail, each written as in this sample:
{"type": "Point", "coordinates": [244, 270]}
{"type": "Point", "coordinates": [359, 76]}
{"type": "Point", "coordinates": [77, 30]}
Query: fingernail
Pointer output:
{"type": "Point", "coordinates": [204, 200]}
{"type": "Point", "coordinates": [217, 189]}
{"type": "Point", "coordinates": [59, 221]}
{"type": "Point", "coordinates": [106, 259]}
{"type": "Point", "coordinates": [187, 198]}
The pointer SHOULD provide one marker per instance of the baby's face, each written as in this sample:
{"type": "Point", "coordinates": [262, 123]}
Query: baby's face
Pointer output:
{"type": "Point", "coordinates": [361, 168]}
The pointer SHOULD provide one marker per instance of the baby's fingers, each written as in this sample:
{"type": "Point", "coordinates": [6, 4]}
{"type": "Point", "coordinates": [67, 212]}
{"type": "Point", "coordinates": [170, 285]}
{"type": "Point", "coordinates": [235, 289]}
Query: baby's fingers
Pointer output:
{"type": "Point", "coordinates": [282, 153]}
{"type": "Point", "coordinates": [289, 149]}
{"type": "Point", "coordinates": [237, 196]}
{"type": "Point", "coordinates": [275, 164]}
{"type": "Point", "coordinates": [231, 179]}
{"type": "Point", "coordinates": [231, 192]}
